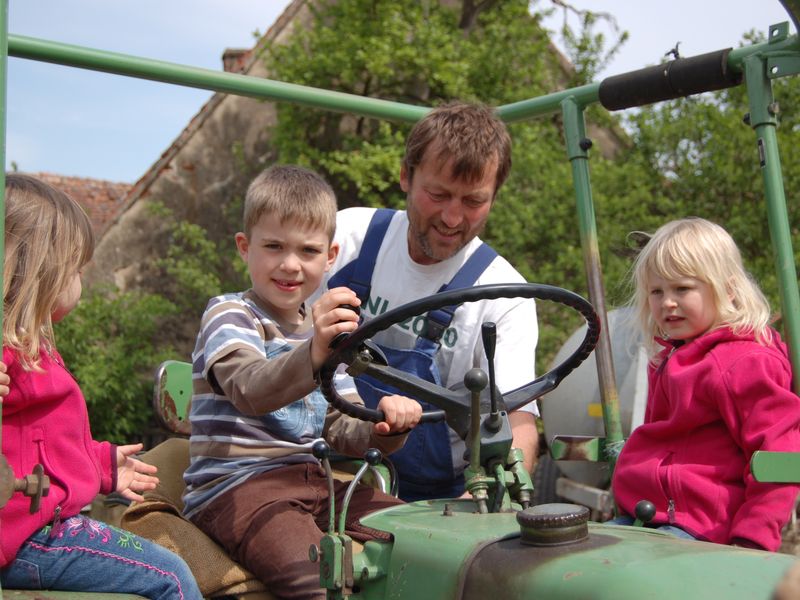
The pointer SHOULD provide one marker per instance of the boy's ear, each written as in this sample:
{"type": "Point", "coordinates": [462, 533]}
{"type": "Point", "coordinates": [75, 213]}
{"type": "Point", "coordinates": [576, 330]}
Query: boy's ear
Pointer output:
{"type": "Point", "coordinates": [333, 252]}
{"type": "Point", "coordinates": [242, 244]}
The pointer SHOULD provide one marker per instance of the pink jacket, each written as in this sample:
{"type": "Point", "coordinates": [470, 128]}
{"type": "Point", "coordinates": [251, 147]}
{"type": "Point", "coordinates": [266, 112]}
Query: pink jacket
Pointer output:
{"type": "Point", "coordinates": [711, 403]}
{"type": "Point", "coordinates": [45, 421]}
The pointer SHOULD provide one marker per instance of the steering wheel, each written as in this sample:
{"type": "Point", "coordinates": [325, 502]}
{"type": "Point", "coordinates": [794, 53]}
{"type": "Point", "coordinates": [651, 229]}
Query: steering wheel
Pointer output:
{"type": "Point", "coordinates": [362, 357]}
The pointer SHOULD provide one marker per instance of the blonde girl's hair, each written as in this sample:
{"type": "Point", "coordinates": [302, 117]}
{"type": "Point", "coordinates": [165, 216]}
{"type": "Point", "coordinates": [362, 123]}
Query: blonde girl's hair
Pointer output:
{"type": "Point", "coordinates": [295, 195]}
{"type": "Point", "coordinates": [49, 239]}
{"type": "Point", "coordinates": [695, 247]}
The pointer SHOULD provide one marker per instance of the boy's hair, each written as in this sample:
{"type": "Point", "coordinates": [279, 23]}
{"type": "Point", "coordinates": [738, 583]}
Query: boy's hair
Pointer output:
{"type": "Point", "coordinates": [49, 239]}
{"type": "Point", "coordinates": [291, 193]}
{"type": "Point", "coordinates": [469, 134]}
{"type": "Point", "coordinates": [695, 247]}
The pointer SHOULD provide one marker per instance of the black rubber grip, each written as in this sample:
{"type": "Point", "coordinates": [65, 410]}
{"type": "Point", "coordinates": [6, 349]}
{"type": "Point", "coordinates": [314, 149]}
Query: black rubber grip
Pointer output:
{"type": "Point", "coordinates": [674, 79]}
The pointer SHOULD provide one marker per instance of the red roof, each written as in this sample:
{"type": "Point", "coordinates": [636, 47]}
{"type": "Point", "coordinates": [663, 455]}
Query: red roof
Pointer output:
{"type": "Point", "coordinates": [99, 198]}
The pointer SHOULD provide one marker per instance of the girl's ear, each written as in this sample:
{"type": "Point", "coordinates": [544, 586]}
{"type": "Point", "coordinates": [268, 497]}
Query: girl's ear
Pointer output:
{"type": "Point", "coordinates": [729, 291]}
{"type": "Point", "coordinates": [333, 252]}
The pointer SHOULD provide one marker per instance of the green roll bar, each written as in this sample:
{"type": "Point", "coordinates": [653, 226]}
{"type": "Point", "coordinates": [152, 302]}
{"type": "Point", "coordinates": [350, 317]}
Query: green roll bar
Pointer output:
{"type": "Point", "coordinates": [759, 63]}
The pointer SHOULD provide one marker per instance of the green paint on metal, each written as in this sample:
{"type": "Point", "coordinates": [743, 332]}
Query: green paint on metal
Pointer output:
{"type": "Point", "coordinates": [763, 118]}
{"type": "Point", "coordinates": [435, 549]}
{"type": "Point", "coordinates": [776, 467]}
{"type": "Point", "coordinates": [178, 384]}
{"type": "Point", "coordinates": [577, 150]}
{"type": "Point", "coordinates": [232, 83]}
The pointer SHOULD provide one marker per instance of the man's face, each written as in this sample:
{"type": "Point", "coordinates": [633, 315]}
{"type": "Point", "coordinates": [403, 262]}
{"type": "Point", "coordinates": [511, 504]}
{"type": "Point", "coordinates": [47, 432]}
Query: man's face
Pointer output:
{"type": "Point", "coordinates": [444, 213]}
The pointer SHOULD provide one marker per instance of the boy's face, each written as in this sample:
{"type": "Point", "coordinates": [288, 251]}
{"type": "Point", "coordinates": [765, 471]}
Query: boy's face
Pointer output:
{"type": "Point", "coordinates": [286, 263]}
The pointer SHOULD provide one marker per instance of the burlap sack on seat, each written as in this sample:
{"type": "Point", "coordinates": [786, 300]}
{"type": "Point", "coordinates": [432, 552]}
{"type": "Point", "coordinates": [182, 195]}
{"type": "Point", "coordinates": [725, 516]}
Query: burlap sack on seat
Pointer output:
{"type": "Point", "coordinates": [159, 519]}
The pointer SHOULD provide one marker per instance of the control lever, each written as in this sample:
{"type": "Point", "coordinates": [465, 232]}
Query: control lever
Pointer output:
{"type": "Point", "coordinates": [489, 336]}
{"type": "Point", "coordinates": [339, 337]}
{"type": "Point", "coordinates": [322, 451]}
{"type": "Point", "coordinates": [335, 550]}
{"type": "Point", "coordinates": [372, 458]}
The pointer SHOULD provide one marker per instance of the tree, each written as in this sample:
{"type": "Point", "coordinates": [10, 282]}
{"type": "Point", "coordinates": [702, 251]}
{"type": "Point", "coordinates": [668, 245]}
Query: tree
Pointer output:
{"type": "Point", "coordinates": [689, 156]}
{"type": "Point", "coordinates": [428, 53]}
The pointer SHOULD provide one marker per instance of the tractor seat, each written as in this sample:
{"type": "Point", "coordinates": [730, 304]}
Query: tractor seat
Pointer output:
{"type": "Point", "coordinates": [160, 517]}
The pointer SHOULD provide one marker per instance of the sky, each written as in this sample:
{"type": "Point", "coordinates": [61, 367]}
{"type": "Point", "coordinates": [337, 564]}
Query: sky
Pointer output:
{"type": "Point", "coordinates": [88, 124]}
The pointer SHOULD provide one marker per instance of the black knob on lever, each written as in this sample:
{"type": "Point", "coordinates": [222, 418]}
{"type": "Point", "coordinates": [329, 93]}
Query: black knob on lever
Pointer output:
{"type": "Point", "coordinates": [320, 449]}
{"type": "Point", "coordinates": [644, 511]}
{"type": "Point", "coordinates": [343, 335]}
{"type": "Point", "coordinates": [489, 337]}
{"type": "Point", "coordinates": [373, 457]}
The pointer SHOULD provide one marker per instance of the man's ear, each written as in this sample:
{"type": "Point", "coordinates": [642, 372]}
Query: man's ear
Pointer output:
{"type": "Point", "coordinates": [242, 244]}
{"type": "Point", "coordinates": [405, 182]}
{"type": "Point", "coordinates": [333, 252]}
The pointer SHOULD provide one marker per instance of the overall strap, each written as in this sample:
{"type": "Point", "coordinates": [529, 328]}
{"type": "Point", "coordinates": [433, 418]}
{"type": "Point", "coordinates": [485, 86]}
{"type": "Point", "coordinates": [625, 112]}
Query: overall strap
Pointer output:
{"type": "Point", "coordinates": [439, 320]}
{"type": "Point", "coordinates": [362, 267]}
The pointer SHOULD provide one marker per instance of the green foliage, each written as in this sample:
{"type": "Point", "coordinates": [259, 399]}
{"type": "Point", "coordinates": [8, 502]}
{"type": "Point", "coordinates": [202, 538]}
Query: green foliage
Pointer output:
{"type": "Point", "coordinates": [690, 156]}
{"type": "Point", "coordinates": [710, 165]}
{"type": "Point", "coordinates": [415, 52]}
{"type": "Point", "coordinates": [195, 264]}
{"type": "Point", "coordinates": [108, 344]}
{"type": "Point", "coordinates": [114, 342]}
{"type": "Point", "coordinates": [412, 52]}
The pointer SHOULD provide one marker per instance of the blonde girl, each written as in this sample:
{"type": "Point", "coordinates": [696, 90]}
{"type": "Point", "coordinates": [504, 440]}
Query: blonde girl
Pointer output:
{"type": "Point", "coordinates": [48, 241]}
{"type": "Point", "coordinates": [719, 389]}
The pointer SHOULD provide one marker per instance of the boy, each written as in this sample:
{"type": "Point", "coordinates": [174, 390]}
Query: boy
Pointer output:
{"type": "Point", "coordinates": [252, 484]}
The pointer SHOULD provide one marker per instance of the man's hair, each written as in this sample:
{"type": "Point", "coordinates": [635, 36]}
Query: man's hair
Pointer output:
{"type": "Point", "coordinates": [49, 239]}
{"type": "Point", "coordinates": [694, 247]}
{"type": "Point", "coordinates": [293, 194]}
{"type": "Point", "coordinates": [469, 134]}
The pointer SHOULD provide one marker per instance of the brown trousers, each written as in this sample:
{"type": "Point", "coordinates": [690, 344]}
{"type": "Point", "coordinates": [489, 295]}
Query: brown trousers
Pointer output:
{"type": "Point", "coordinates": [268, 523]}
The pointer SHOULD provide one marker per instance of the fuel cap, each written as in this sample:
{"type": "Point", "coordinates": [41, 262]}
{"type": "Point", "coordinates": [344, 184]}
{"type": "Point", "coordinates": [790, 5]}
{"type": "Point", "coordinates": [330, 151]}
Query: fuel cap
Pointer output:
{"type": "Point", "coordinates": [553, 524]}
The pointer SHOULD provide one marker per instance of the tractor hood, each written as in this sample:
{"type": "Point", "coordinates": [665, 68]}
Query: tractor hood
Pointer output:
{"type": "Point", "coordinates": [442, 549]}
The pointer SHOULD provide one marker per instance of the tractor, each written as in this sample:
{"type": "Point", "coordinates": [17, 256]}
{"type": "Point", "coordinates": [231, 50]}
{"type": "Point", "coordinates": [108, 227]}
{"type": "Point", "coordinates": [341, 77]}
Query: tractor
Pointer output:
{"type": "Point", "coordinates": [504, 540]}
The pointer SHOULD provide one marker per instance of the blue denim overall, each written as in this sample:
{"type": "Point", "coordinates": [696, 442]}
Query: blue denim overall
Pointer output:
{"type": "Point", "coordinates": [425, 463]}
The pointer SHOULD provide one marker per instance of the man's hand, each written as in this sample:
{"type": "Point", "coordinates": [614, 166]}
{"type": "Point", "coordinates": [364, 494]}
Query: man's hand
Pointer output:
{"type": "Point", "coordinates": [400, 414]}
{"type": "Point", "coordinates": [331, 319]}
{"type": "Point", "coordinates": [525, 436]}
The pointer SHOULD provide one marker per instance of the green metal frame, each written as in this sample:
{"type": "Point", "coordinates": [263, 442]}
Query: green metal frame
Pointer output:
{"type": "Point", "coordinates": [759, 63]}
{"type": "Point", "coordinates": [780, 51]}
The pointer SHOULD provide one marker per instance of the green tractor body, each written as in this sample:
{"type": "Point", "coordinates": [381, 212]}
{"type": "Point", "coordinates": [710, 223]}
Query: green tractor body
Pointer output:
{"type": "Point", "coordinates": [443, 549]}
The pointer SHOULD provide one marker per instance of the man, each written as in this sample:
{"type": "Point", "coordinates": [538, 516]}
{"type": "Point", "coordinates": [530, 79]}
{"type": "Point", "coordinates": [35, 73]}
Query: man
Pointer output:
{"type": "Point", "coordinates": [457, 157]}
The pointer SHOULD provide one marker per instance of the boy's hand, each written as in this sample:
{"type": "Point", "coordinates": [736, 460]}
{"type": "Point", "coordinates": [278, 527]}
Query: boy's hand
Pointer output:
{"type": "Point", "coordinates": [331, 320]}
{"type": "Point", "coordinates": [400, 414]}
{"type": "Point", "coordinates": [133, 475]}
{"type": "Point", "coordinates": [5, 381]}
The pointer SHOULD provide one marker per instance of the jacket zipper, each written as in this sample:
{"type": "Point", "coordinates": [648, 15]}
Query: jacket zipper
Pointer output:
{"type": "Point", "coordinates": [56, 521]}
{"type": "Point", "coordinates": [671, 511]}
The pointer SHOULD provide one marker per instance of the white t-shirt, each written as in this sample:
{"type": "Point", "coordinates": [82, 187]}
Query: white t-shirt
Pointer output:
{"type": "Point", "coordinates": [398, 280]}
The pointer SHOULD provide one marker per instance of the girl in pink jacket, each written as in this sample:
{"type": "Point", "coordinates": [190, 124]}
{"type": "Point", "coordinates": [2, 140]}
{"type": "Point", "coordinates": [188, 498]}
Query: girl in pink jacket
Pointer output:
{"type": "Point", "coordinates": [45, 422]}
{"type": "Point", "coordinates": [719, 389]}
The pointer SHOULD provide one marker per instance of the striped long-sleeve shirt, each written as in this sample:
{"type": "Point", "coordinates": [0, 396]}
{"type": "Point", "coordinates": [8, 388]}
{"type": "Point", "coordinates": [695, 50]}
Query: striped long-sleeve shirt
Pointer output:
{"type": "Point", "coordinates": [255, 403]}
